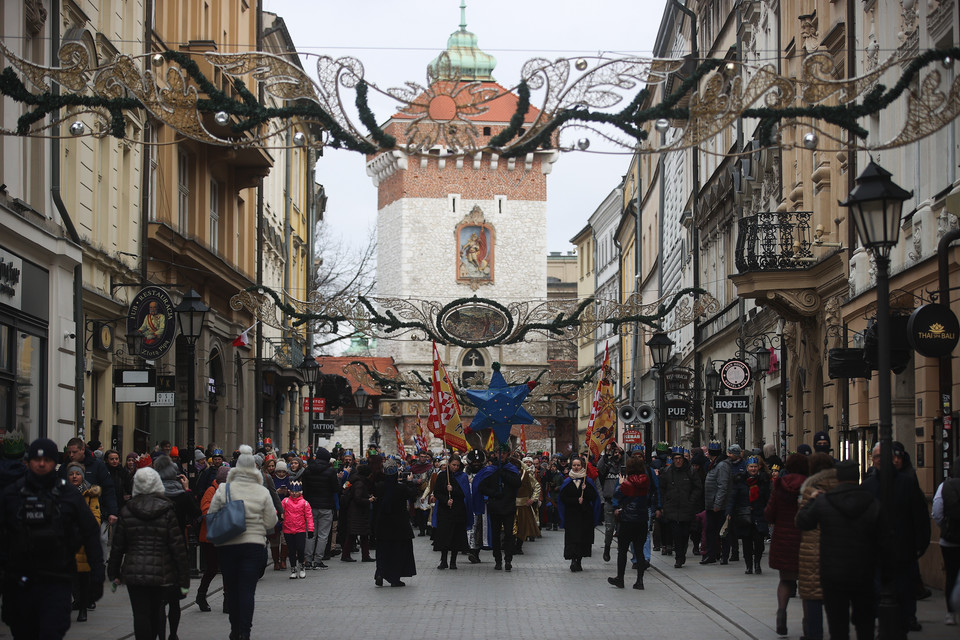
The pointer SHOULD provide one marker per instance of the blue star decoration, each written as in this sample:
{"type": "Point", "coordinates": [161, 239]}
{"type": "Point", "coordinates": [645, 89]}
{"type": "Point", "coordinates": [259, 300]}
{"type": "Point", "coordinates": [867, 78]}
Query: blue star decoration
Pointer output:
{"type": "Point", "coordinates": [500, 406]}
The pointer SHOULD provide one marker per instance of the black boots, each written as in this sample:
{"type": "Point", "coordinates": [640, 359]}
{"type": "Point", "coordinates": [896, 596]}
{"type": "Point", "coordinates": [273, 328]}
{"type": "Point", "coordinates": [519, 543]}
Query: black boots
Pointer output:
{"type": "Point", "coordinates": [606, 555]}
{"type": "Point", "coordinates": [202, 603]}
{"type": "Point", "coordinates": [756, 566]}
{"type": "Point", "coordinates": [641, 567]}
{"type": "Point", "coordinates": [443, 560]}
{"type": "Point", "coordinates": [575, 565]}
{"type": "Point", "coordinates": [617, 582]}
{"type": "Point", "coordinates": [453, 560]}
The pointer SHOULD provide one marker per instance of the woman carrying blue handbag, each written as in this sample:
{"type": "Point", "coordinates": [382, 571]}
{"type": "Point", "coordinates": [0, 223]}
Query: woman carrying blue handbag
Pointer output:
{"type": "Point", "coordinates": [244, 555]}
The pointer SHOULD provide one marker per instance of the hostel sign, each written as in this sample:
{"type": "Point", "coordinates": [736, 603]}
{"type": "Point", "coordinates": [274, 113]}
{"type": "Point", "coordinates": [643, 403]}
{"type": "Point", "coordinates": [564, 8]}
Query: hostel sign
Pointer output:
{"type": "Point", "coordinates": [731, 404]}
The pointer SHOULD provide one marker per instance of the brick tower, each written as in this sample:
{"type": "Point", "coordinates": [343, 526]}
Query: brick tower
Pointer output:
{"type": "Point", "coordinates": [451, 227]}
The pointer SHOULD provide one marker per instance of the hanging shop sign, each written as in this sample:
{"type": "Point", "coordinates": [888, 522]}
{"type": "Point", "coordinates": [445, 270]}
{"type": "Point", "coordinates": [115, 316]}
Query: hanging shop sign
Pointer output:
{"type": "Point", "coordinates": [933, 330]}
{"type": "Point", "coordinates": [11, 269]}
{"type": "Point", "coordinates": [735, 374]}
{"type": "Point", "coordinates": [731, 404]}
{"type": "Point", "coordinates": [678, 409]}
{"type": "Point", "coordinates": [152, 315]}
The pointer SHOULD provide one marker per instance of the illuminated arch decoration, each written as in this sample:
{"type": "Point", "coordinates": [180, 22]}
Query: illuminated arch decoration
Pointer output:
{"type": "Point", "coordinates": [605, 95]}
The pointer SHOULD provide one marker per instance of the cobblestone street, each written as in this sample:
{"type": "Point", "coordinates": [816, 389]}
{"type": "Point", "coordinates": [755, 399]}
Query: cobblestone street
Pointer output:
{"type": "Point", "coordinates": [539, 598]}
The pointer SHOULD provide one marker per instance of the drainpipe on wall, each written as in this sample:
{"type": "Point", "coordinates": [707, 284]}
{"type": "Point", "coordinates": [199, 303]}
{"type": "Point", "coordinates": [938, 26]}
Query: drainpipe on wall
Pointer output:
{"type": "Point", "coordinates": [71, 230]}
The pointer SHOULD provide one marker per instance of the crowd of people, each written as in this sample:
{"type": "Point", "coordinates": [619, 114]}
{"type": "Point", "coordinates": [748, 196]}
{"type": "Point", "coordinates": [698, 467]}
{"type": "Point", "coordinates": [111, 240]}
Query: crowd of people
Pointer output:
{"type": "Point", "coordinates": [91, 516]}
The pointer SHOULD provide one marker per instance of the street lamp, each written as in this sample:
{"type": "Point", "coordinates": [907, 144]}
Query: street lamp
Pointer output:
{"type": "Point", "coordinates": [573, 409]}
{"type": "Point", "coordinates": [551, 432]}
{"type": "Point", "coordinates": [660, 345]}
{"type": "Point", "coordinates": [360, 399]}
{"type": "Point", "coordinates": [311, 371]}
{"type": "Point", "coordinates": [190, 315]}
{"type": "Point", "coordinates": [377, 420]}
{"type": "Point", "coordinates": [876, 204]}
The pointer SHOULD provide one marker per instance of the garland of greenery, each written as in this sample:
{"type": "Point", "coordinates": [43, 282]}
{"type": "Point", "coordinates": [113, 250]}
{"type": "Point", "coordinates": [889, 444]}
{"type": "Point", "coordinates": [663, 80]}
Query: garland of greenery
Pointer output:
{"type": "Point", "coordinates": [249, 113]}
{"type": "Point", "coordinates": [662, 311]}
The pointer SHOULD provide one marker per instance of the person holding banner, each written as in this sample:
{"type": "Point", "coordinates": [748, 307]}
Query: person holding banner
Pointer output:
{"type": "Point", "coordinates": [580, 511]}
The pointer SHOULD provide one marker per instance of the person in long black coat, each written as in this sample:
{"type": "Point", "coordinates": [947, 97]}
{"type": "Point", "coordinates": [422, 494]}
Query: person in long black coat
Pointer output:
{"type": "Point", "coordinates": [392, 526]}
{"type": "Point", "coordinates": [452, 494]}
{"type": "Point", "coordinates": [580, 512]}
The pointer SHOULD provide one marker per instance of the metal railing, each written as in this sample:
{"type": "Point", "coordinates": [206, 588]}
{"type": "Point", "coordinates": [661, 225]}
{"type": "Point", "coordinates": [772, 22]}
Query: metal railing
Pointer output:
{"type": "Point", "coordinates": [286, 352]}
{"type": "Point", "coordinates": [775, 241]}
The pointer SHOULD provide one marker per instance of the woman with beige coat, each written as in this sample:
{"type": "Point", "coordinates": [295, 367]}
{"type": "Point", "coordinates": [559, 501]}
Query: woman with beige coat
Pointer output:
{"type": "Point", "coordinates": [822, 478]}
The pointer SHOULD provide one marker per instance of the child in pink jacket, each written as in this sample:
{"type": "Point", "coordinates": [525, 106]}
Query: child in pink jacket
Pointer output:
{"type": "Point", "coordinates": [297, 527]}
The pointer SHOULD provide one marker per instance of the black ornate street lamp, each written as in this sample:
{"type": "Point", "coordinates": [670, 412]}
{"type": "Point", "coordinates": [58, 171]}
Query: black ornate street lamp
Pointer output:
{"type": "Point", "coordinates": [377, 420]}
{"type": "Point", "coordinates": [551, 432]}
{"type": "Point", "coordinates": [190, 316]}
{"type": "Point", "coordinates": [573, 411]}
{"type": "Point", "coordinates": [876, 204]}
{"type": "Point", "coordinates": [360, 399]}
{"type": "Point", "coordinates": [311, 371]}
{"type": "Point", "coordinates": [660, 345]}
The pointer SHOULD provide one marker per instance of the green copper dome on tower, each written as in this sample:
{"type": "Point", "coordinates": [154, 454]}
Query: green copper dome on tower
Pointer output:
{"type": "Point", "coordinates": [463, 59]}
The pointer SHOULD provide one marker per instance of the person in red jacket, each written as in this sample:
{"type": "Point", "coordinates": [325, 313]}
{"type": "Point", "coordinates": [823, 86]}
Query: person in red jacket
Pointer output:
{"type": "Point", "coordinates": [780, 513]}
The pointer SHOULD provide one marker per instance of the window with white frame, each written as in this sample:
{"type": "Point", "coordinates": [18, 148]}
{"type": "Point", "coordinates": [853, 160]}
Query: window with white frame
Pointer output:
{"type": "Point", "coordinates": [214, 215]}
{"type": "Point", "coordinates": [183, 192]}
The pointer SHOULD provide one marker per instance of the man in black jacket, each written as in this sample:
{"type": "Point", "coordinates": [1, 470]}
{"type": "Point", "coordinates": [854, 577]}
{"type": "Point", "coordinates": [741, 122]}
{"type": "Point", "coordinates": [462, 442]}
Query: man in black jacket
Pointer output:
{"type": "Point", "coordinates": [501, 489]}
{"type": "Point", "coordinates": [43, 522]}
{"type": "Point", "coordinates": [681, 496]}
{"type": "Point", "coordinates": [850, 521]}
{"type": "Point", "coordinates": [320, 485]}
{"type": "Point", "coordinates": [608, 474]}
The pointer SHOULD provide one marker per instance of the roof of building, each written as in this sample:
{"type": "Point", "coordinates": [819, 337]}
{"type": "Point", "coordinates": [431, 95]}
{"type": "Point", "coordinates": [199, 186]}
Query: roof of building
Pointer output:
{"type": "Point", "coordinates": [463, 59]}
{"type": "Point", "coordinates": [337, 365]}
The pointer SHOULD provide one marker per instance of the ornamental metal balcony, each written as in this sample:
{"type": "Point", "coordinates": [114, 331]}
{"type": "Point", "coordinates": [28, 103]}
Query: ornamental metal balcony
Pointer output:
{"type": "Point", "coordinates": [775, 241]}
{"type": "Point", "coordinates": [285, 352]}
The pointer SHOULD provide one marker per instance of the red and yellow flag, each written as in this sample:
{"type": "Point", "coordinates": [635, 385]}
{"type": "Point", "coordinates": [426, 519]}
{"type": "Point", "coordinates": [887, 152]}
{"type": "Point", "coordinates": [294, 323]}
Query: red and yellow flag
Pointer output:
{"type": "Point", "coordinates": [401, 450]}
{"type": "Point", "coordinates": [444, 421]}
{"type": "Point", "coordinates": [420, 439]}
{"type": "Point", "coordinates": [491, 442]}
{"type": "Point", "coordinates": [523, 439]}
{"type": "Point", "coordinates": [602, 427]}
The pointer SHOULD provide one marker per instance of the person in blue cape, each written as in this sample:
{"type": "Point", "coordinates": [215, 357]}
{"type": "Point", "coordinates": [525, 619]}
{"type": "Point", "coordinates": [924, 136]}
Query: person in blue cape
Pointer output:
{"type": "Point", "coordinates": [581, 509]}
{"type": "Point", "coordinates": [500, 487]}
{"type": "Point", "coordinates": [452, 515]}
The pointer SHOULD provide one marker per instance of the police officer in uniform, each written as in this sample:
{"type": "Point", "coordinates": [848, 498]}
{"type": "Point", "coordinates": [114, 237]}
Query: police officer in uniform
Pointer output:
{"type": "Point", "coordinates": [43, 522]}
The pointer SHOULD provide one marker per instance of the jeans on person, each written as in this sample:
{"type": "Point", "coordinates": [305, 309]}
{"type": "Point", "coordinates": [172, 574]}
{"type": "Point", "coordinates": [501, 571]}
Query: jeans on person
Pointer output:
{"type": "Point", "coordinates": [322, 523]}
{"type": "Point", "coordinates": [609, 524]}
{"type": "Point", "coordinates": [242, 565]}
{"type": "Point", "coordinates": [951, 563]}
{"type": "Point", "coordinates": [296, 546]}
{"type": "Point", "coordinates": [813, 619]}
{"type": "Point", "coordinates": [147, 605]}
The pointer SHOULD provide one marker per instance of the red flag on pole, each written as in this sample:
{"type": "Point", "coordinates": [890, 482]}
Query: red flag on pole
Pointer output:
{"type": "Point", "coordinates": [401, 451]}
{"type": "Point", "coordinates": [444, 421]}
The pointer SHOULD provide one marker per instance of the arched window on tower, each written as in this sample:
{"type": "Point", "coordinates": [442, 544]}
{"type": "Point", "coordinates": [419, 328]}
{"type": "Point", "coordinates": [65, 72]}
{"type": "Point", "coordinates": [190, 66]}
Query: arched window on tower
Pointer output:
{"type": "Point", "coordinates": [472, 368]}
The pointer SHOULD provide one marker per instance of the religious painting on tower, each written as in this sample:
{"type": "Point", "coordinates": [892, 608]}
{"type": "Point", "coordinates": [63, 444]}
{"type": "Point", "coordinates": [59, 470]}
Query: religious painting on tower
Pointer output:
{"type": "Point", "coordinates": [475, 250]}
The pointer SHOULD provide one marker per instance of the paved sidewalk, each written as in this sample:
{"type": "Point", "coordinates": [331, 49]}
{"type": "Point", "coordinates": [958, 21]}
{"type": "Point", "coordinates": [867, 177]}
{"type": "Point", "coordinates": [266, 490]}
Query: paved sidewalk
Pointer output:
{"type": "Point", "coordinates": [750, 602]}
{"type": "Point", "coordinates": [539, 598]}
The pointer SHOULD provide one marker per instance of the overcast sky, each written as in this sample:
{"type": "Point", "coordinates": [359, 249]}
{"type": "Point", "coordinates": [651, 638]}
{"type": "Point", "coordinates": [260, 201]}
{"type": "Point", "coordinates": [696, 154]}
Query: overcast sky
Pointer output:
{"type": "Point", "coordinates": [396, 40]}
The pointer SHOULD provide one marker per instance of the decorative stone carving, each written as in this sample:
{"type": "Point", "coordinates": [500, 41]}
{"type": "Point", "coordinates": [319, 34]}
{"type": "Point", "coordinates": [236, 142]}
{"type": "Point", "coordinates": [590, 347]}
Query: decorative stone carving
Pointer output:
{"type": "Point", "coordinates": [35, 16]}
{"type": "Point", "coordinates": [809, 34]}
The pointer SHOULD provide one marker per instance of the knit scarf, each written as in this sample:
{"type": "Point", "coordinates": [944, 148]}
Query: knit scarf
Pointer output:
{"type": "Point", "coordinates": [754, 488]}
{"type": "Point", "coordinates": [578, 475]}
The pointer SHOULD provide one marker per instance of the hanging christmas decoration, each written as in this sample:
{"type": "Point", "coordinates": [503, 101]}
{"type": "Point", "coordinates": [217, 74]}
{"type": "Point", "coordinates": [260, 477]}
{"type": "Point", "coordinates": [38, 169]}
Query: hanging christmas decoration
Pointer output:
{"type": "Point", "coordinates": [609, 96]}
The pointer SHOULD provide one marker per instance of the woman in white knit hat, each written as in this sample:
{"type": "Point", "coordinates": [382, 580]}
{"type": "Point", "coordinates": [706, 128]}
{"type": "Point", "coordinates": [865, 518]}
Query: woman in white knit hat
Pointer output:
{"type": "Point", "coordinates": [243, 558]}
{"type": "Point", "coordinates": [149, 554]}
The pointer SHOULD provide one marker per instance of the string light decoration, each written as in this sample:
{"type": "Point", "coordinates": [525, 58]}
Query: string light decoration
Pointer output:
{"type": "Point", "coordinates": [573, 94]}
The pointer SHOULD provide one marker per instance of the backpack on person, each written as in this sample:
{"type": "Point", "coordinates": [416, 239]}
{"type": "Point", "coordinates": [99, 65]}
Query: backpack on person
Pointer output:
{"type": "Point", "coordinates": [950, 494]}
